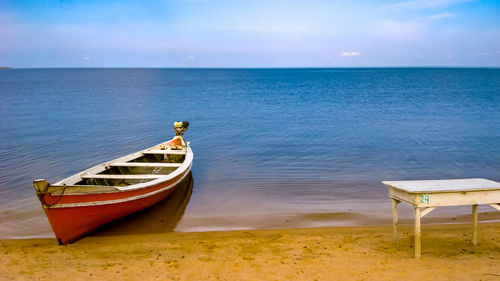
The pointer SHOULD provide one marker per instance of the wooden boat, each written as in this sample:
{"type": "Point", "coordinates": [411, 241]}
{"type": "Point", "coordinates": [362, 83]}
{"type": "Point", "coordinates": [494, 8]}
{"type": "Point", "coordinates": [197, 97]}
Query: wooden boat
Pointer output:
{"type": "Point", "coordinates": [83, 202]}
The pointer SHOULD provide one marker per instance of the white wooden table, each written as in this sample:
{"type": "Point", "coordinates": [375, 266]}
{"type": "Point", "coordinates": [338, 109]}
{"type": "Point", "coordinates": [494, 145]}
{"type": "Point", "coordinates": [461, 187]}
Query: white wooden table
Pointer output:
{"type": "Point", "coordinates": [430, 194]}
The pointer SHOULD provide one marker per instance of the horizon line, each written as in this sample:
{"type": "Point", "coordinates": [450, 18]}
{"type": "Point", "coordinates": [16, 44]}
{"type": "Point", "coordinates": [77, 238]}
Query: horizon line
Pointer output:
{"type": "Point", "coordinates": [236, 67]}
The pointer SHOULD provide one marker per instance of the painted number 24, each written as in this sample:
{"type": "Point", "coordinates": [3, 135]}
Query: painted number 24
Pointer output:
{"type": "Point", "coordinates": [425, 198]}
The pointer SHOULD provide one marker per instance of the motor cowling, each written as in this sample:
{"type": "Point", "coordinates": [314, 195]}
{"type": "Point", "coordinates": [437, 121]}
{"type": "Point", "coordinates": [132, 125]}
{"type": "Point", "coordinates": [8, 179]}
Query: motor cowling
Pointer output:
{"type": "Point", "coordinates": [181, 127]}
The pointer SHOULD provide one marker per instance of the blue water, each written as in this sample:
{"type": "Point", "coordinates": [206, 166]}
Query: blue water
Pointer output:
{"type": "Point", "coordinates": [267, 142]}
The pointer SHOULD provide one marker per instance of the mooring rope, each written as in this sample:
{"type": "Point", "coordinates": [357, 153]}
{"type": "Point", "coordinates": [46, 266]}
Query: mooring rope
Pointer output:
{"type": "Point", "coordinates": [44, 203]}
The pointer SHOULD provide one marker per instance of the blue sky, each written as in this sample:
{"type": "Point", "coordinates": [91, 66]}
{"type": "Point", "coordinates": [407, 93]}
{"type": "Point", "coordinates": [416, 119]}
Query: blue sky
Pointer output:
{"type": "Point", "coordinates": [261, 33]}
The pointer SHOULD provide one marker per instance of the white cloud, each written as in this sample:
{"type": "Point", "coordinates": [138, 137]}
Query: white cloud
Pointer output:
{"type": "Point", "coordinates": [350, 54]}
{"type": "Point", "coordinates": [185, 1]}
{"type": "Point", "coordinates": [442, 16]}
{"type": "Point", "coordinates": [272, 28]}
{"type": "Point", "coordinates": [398, 29]}
{"type": "Point", "coordinates": [86, 58]}
{"type": "Point", "coordinates": [190, 57]}
{"type": "Point", "coordinates": [423, 4]}
{"type": "Point", "coordinates": [485, 54]}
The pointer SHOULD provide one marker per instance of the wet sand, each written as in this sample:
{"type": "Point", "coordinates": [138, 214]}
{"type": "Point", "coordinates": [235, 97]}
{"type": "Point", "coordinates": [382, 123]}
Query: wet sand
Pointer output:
{"type": "Point", "coordinates": [344, 253]}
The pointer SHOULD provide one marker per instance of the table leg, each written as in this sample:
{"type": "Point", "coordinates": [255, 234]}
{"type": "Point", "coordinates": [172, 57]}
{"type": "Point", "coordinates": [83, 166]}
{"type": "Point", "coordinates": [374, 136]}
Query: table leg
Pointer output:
{"type": "Point", "coordinates": [394, 219]}
{"type": "Point", "coordinates": [417, 233]}
{"type": "Point", "coordinates": [474, 224]}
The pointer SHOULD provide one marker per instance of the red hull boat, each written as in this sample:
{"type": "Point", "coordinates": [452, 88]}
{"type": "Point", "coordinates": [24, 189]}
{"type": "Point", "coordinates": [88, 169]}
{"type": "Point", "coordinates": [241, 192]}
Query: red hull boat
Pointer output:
{"type": "Point", "coordinates": [83, 202]}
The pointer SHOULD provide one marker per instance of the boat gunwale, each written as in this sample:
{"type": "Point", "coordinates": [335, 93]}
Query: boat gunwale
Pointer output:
{"type": "Point", "coordinates": [106, 189]}
{"type": "Point", "coordinates": [117, 201]}
{"type": "Point", "coordinates": [186, 164]}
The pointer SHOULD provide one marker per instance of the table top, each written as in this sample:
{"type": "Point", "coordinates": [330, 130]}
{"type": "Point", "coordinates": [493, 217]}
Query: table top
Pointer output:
{"type": "Point", "coordinates": [433, 186]}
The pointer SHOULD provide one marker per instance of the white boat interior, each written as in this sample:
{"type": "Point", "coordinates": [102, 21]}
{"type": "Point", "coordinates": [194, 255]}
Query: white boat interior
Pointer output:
{"type": "Point", "coordinates": [148, 167]}
{"type": "Point", "coordinates": [157, 162]}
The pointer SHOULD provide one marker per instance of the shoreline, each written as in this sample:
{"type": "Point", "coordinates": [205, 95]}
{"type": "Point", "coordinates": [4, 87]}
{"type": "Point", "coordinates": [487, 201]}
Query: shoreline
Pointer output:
{"type": "Point", "coordinates": [158, 219]}
{"type": "Point", "coordinates": [340, 253]}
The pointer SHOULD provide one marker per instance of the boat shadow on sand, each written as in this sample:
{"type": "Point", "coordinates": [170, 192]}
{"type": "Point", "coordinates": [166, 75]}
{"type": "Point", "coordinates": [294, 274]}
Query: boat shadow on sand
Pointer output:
{"type": "Point", "coordinates": [159, 218]}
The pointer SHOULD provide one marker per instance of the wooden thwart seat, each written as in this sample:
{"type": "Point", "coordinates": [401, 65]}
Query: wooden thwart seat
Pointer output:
{"type": "Point", "coordinates": [159, 151]}
{"type": "Point", "coordinates": [143, 164]}
{"type": "Point", "coordinates": [122, 177]}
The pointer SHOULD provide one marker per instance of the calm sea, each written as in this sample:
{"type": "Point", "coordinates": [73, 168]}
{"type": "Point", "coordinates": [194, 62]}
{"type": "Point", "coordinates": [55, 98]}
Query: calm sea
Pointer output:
{"type": "Point", "coordinates": [273, 147]}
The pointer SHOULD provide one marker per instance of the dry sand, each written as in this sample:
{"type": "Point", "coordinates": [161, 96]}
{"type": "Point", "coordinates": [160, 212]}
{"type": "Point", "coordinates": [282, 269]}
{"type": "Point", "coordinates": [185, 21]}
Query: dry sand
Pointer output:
{"type": "Point", "coordinates": [354, 253]}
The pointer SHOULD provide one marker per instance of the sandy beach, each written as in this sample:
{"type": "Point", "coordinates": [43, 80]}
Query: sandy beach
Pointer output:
{"type": "Point", "coordinates": [350, 253]}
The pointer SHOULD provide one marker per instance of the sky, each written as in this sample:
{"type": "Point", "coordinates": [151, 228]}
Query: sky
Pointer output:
{"type": "Point", "coordinates": [250, 33]}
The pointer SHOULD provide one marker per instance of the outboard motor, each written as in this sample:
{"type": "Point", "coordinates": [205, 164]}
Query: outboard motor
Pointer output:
{"type": "Point", "coordinates": [181, 127]}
